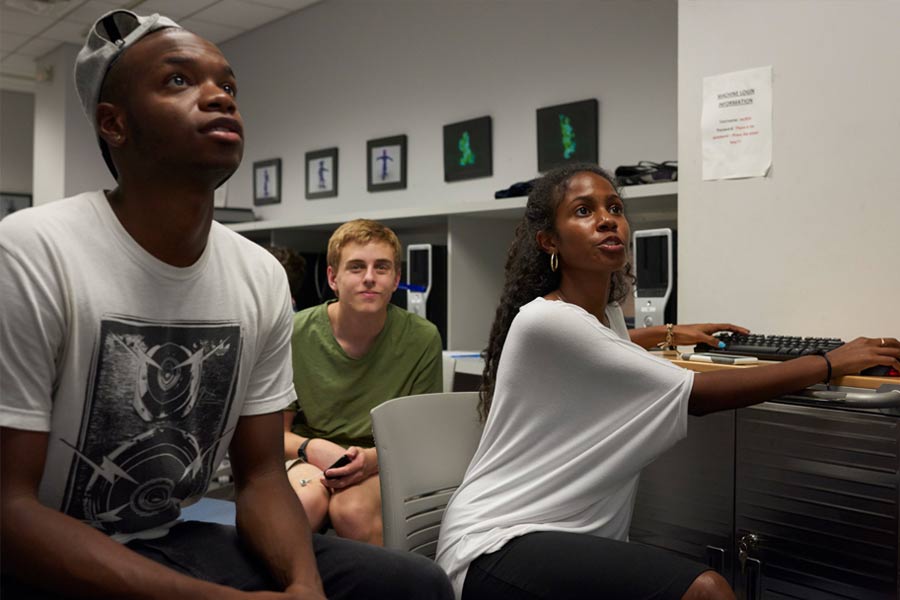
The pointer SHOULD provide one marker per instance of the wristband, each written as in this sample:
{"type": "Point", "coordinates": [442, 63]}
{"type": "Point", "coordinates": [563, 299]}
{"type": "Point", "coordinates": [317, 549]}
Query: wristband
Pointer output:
{"type": "Point", "coordinates": [828, 363]}
{"type": "Point", "coordinates": [301, 451]}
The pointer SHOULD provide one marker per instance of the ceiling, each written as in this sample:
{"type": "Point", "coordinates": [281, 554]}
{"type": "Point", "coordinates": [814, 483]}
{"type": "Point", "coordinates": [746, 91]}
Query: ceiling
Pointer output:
{"type": "Point", "coordinates": [30, 29]}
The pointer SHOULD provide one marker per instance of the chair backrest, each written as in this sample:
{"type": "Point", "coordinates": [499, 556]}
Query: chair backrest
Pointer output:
{"type": "Point", "coordinates": [448, 366]}
{"type": "Point", "coordinates": [424, 443]}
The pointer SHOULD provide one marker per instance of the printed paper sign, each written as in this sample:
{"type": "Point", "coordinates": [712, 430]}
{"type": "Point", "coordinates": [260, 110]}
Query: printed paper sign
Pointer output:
{"type": "Point", "coordinates": [737, 124]}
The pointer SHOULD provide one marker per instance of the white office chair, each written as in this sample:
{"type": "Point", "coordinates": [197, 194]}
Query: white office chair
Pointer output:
{"type": "Point", "coordinates": [448, 368]}
{"type": "Point", "coordinates": [424, 444]}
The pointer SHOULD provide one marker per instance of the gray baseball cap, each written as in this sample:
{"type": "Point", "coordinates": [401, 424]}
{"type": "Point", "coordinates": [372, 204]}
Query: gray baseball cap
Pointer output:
{"type": "Point", "coordinates": [110, 36]}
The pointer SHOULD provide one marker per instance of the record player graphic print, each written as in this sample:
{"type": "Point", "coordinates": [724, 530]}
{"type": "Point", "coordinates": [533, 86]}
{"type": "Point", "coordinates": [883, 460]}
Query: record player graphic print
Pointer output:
{"type": "Point", "coordinates": [157, 407]}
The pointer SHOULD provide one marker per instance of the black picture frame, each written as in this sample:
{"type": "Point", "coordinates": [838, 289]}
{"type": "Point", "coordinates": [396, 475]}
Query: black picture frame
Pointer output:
{"type": "Point", "coordinates": [10, 202]}
{"type": "Point", "coordinates": [391, 173]}
{"type": "Point", "coordinates": [266, 191]}
{"type": "Point", "coordinates": [468, 150]}
{"type": "Point", "coordinates": [567, 133]}
{"type": "Point", "coordinates": [318, 184]}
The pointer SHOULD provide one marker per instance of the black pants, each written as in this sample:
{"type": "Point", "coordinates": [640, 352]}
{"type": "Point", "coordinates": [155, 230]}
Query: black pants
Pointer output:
{"type": "Point", "coordinates": [348, 569]}
{"type": "Point", "coordinates": [562, 566]}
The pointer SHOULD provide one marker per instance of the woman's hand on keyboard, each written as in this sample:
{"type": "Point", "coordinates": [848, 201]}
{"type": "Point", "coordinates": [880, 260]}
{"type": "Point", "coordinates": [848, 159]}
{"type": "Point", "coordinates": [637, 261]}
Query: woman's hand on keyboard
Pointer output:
{"type": "Point", "coordinates": [687, 335]}
{"type": "Point", "coordinates": [861, 353]}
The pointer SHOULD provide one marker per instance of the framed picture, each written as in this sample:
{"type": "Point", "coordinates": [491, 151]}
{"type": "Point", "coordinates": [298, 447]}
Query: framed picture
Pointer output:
{"type": "Point", "coordinates": [267, 182]}
{"type": "Point", "coordinates": [322, 174]}
{"type": "Point", "coordinates": [467, 150]}
{"type": "Point", "coordinates": [386, 160]}
{"type": "Point", "coordinates": [567, 133]}
{"type": "Point", "coordinates": [10, 203]}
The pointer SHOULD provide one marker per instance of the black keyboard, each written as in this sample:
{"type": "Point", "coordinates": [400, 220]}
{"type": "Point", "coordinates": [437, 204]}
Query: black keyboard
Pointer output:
{"type": "Point", "coordinates": [770, 347]}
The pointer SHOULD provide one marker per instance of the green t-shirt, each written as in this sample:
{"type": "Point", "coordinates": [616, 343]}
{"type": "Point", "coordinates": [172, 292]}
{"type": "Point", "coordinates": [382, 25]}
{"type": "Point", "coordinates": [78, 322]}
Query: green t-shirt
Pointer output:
{"type": "Point", "coordinates": [336, 392]}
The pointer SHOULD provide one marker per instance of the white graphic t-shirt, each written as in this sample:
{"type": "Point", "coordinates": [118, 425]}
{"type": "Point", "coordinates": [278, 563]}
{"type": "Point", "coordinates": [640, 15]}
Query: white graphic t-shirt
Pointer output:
{"type": "Point", "coordinates": [138, 370]}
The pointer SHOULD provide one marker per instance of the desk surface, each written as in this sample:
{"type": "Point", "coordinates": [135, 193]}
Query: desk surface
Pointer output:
{"type": "Point", "coordinates": [857, 381]}
{"type": "Point", "coordinates": [474, 365]}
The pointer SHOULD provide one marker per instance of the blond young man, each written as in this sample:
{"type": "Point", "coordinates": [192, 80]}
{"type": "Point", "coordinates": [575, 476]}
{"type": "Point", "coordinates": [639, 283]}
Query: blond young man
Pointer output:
{"type": "Point", "coordinates": [350, 355]}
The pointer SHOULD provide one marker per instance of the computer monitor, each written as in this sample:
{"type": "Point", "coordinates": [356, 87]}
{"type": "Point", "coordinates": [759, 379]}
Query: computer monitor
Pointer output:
{"type": "Point", "coordinates": [654, 270]}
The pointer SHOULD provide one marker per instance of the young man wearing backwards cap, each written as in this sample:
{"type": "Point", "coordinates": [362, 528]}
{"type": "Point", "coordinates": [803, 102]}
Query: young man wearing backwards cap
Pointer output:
{"type": "Point", "coordinates": [140, 340]}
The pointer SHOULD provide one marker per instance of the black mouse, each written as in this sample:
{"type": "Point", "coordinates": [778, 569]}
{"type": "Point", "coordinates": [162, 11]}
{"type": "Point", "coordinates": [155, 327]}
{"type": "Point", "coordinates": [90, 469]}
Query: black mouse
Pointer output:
{"type": "Point", "coordinates": [880, 371]}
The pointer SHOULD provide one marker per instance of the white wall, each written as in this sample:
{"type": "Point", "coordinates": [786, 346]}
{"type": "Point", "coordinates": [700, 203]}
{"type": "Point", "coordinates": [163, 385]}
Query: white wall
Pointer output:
{"type": "Point", "coordinates": [814, 248]}
{"type": "Point", "coordinates": [477, 254]}
{"type": "Point", "coordinates": [50, 130]}
{"type": "Point", "coordinates": [67, 159]}
{"type": "Point", "coordinates": [16, 141]}
{"type": "Point", "coordinates": [342, 72]}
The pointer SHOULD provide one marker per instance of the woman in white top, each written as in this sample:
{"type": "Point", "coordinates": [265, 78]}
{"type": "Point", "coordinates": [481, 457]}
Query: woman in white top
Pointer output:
{"type": "Point", "coordinates": [575, 408]}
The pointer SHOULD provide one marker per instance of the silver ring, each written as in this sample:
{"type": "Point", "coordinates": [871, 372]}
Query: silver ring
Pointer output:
{"type": "Point", "coordinates": [882, 341]}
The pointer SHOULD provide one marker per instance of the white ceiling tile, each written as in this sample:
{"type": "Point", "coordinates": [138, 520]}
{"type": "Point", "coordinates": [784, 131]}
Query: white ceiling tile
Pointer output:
{"type": "Point", "coordinates": [11, 41]}
{"type": "Point", "coordinates": [16, 21]}
{"type": "Point", "coordinates": [38, 47]}
{"type": "Point", "coordinates": [244, 15]}
{"type": "Point", "coordinates": [68, 31]}
{"type": "Point", "coordinates": [211, 31]}
{"type": "Point", "coordinates": [174, 9]}
{"type": "Point", "coordinates": [289, 5]}
{"type": "Point", "coordinates": [45, 8]}
{"type": "Point", "coordinates": [92, 10]}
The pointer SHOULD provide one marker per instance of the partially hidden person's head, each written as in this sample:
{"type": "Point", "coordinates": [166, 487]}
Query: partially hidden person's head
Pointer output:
{"type": "Point", "coordinates": [547, 229]}
{"type": "Point", "coordinates": [161, 99]}
{"type": "Point", "coordinates": [364, 264]}
{"type": "Point", "coordinates": [294, 267]}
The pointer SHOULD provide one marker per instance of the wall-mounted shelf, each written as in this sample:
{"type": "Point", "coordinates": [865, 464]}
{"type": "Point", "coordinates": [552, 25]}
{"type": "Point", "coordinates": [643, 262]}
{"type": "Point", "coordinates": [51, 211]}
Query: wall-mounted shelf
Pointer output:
{"type": "Point", "coordinates": [656, 196]}
{"type": "Point", "coordinates": [649, 190]}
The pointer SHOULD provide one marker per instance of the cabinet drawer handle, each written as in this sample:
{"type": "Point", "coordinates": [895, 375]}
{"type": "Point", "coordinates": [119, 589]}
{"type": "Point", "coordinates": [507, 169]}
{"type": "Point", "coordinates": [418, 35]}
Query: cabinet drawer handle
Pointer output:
{"type": "Point", "coordinates": [753, 579]}
{"type": "Point", "coordinates": [715, 558]}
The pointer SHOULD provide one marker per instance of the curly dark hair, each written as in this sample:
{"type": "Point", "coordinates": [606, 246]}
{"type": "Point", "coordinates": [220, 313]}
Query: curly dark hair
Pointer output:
{"type": "Point", "coordinates": [528, 273]}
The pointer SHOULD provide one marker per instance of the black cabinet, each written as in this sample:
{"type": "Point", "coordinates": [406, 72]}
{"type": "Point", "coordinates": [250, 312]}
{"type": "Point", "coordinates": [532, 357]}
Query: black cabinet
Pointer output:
{"type": "Point", "coordinates": [786, 501]}
{"type": "Point", "coordinates": [685, 499]}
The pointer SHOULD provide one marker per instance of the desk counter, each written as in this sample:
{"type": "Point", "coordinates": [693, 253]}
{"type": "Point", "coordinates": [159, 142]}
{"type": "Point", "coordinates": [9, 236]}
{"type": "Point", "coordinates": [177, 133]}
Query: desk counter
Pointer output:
{"type": "Point", "coordinates": [856, 381]}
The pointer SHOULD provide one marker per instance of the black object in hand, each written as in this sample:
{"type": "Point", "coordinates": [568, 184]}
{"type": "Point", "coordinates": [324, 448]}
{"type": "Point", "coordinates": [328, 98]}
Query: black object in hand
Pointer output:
{"type": "Point", "coordinates": [341, 462]}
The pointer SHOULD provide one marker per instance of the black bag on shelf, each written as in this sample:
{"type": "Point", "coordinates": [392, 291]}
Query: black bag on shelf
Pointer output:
{"type": "Point", "coordinates": [647, 172]}
{"type": "Point", "coordinates": [521, 188]}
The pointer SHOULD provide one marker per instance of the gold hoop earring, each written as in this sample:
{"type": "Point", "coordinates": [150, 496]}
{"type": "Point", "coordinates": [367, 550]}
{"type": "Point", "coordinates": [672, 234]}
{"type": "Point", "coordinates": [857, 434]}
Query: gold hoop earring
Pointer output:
{"type": "Point", "coordinates": [554, 262]}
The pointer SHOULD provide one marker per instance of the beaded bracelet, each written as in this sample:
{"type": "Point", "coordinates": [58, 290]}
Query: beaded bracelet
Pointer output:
{"type": "Point", "coordinates": [669, 342]}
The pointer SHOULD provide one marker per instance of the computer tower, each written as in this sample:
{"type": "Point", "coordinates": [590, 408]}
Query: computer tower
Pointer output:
{"type": "Point", "coordinates": [426, 278]}
{"type": "Point", "coordinates": [655, 270]}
